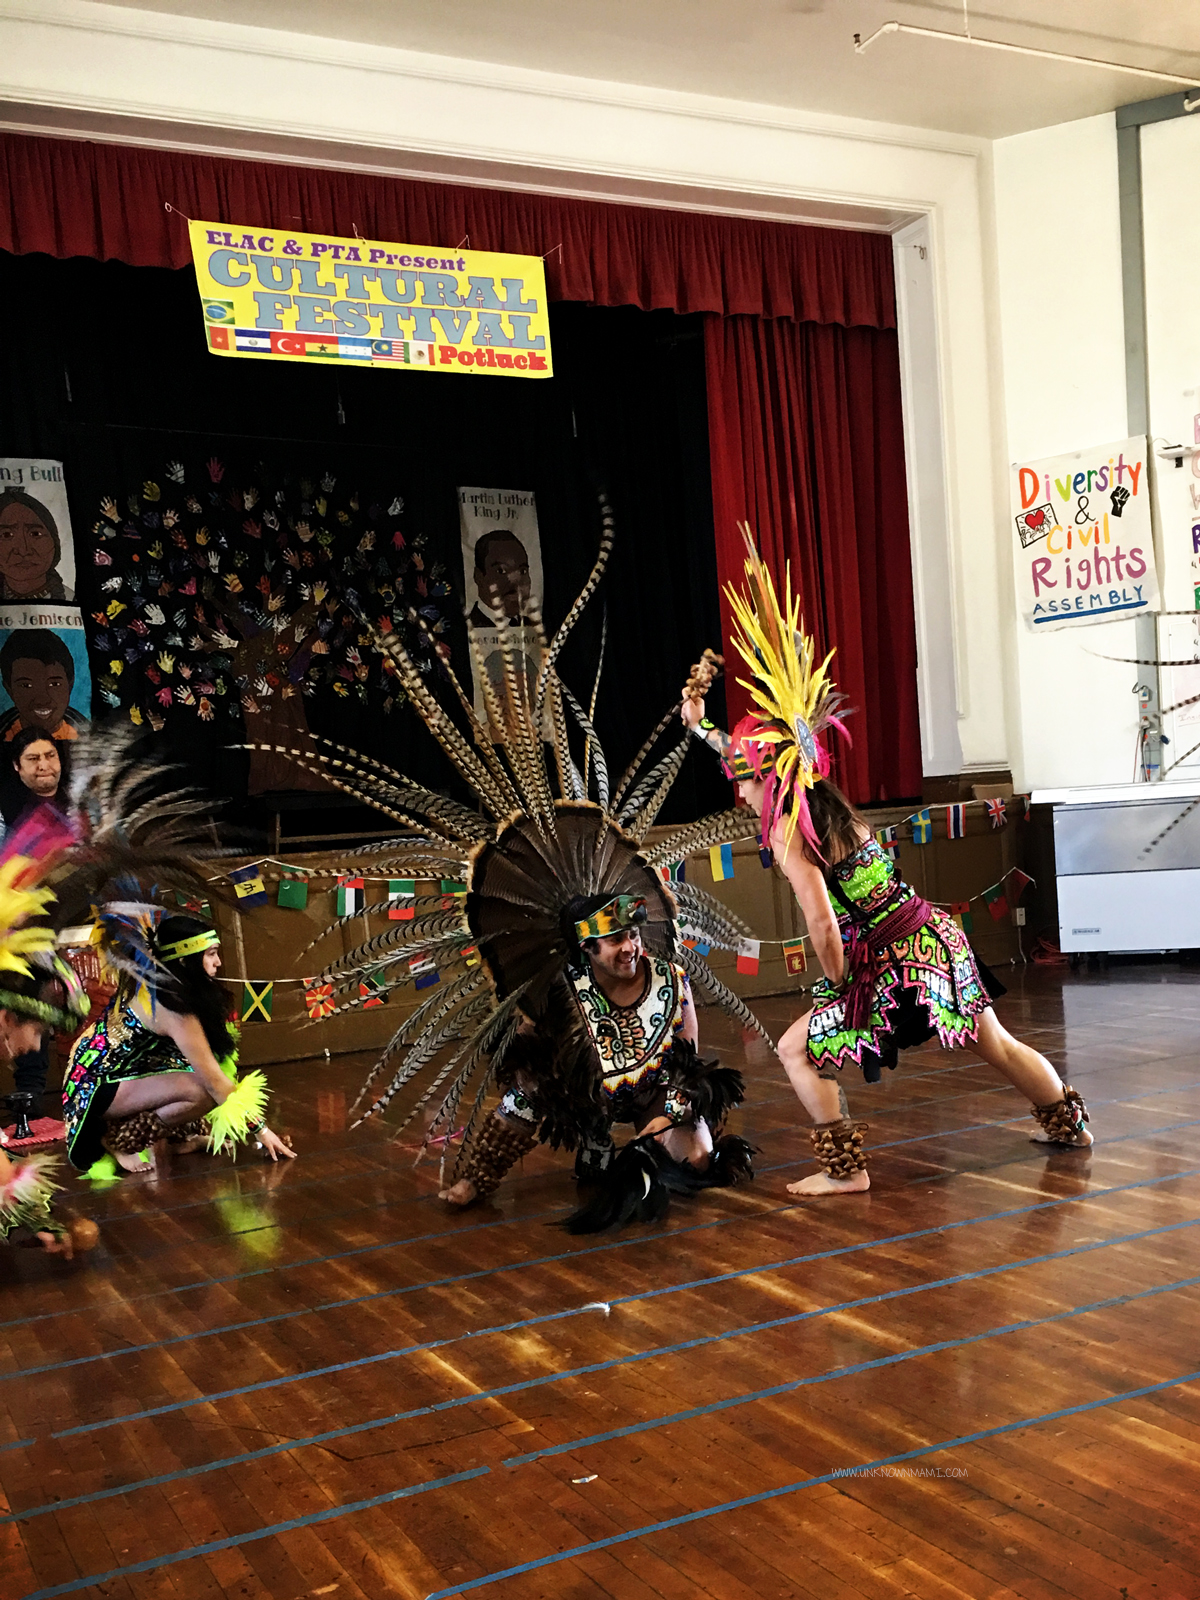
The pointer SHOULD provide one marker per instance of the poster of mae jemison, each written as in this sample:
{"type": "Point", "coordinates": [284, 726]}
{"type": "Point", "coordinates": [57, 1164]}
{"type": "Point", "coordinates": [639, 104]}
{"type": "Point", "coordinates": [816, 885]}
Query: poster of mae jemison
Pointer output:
{"type": "Point", "coordinates": [44, 677]}
{"type": "Point", "coordinates": [1083, 547]}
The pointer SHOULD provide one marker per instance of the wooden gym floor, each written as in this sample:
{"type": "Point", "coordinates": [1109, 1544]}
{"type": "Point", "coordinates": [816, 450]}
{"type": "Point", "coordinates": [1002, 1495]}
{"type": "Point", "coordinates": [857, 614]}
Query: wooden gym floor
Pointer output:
{"type": "Point", "coordinates": [978, 1380]}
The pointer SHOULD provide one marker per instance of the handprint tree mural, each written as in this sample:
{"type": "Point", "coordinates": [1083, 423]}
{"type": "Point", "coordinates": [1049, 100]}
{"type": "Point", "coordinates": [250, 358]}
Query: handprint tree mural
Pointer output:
{"type": "Point", "coordinates": [237, 595]}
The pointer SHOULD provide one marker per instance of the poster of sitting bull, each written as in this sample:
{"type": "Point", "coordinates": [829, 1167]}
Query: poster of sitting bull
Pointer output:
{"type": "Point", "coordinates": [44, 679]}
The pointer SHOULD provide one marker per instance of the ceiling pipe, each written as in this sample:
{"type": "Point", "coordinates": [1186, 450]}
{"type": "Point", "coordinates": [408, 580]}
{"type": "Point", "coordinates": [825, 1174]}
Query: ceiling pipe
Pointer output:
{"type": "Point", "coordinates": [861, 44]}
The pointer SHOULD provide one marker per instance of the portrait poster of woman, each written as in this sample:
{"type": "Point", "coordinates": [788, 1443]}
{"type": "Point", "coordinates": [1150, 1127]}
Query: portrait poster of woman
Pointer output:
{"type": "Point", "coordinates": [37, 553]}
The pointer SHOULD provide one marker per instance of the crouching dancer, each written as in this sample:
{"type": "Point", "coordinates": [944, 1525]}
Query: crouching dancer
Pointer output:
{"type": "Point", "coordinates": [160, 1064]}
{"type": "Point", "coordinates": [617, 1046]}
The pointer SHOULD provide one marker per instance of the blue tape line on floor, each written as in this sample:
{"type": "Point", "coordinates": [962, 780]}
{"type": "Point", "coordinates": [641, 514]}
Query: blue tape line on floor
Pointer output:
{"type": "Point", "coordinates": [661, 1350]}
{"type": "Point", "coordinates": [821, 1255]}
{"type": "Point", "coordinates": [804, 1483]}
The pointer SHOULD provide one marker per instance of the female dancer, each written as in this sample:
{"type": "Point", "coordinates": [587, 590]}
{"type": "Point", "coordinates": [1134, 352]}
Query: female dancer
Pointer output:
{"type": "Point", "coordinates": [160, 1064]}
{"type": "Point", "coordinates": [896, 969]}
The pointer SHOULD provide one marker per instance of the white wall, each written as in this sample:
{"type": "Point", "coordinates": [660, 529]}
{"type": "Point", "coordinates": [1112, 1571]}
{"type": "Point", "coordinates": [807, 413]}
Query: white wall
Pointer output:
{"type": "Point", "coordinates": [181, 82]}
{"type": "Point", "coordinates": [1058, 260]}
{"type": "Point", "coordinates": [1171, 229]}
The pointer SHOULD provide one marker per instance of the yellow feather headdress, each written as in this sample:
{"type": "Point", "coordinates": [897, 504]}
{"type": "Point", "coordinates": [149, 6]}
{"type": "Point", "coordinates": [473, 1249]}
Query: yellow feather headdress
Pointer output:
{"type": "Point", "coordinates": [795, 700]}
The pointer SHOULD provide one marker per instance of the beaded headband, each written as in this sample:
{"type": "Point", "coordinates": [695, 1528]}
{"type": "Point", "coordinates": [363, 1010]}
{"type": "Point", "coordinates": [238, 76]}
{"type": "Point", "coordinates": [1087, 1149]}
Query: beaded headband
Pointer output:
{"type": "Point", "coordinates": [191, 946]}
{"type": "Point", "coordinates": [622, 911]}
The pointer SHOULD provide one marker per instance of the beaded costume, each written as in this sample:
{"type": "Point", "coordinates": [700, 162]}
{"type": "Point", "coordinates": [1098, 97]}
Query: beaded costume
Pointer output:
{"type": "Point", "coordinates": [924, 980]}
{"type": "Point", "coordinates": [514, 1009]}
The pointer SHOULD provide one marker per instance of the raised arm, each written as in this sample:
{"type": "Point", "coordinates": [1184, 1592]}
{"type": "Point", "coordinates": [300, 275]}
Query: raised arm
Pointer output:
{"type": "Point", "coordinates": [691, 709]}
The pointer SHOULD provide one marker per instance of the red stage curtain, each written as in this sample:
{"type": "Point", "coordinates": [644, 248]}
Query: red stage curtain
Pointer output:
{"type": "Point", "coordinates": [803, 379]}
{"type": "Point", "coordinates": [66, 197]}
{"type": "Point", "coordinates": [807, 446]}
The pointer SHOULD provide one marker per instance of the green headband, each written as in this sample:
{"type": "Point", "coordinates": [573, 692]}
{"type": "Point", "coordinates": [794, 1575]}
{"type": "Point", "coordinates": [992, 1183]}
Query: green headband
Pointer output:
{"type": "Point", "coordinates": [191, 946]}
{"type": "Point", "coordinates": [622, 911]}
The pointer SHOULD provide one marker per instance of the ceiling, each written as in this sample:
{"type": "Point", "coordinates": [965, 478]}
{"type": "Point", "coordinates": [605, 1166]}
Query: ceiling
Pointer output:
{"type": "Point", "coordinates": [793, 53]}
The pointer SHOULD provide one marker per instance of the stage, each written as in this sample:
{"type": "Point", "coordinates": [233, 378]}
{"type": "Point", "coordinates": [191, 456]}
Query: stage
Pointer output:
{"type": "Point", "coordinates": [318, 1380]}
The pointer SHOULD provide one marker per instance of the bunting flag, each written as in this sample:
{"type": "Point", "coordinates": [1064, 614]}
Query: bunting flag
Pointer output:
{"type": "Point", "coordinates": [371, 990]}
{"type": "Point", "coordinates": [996, 901]}
{"type": "Point", "coordinates": [766, 855]}
{"type": "Point", "coordinates": [956, 822]}
{"type": "Point", "coordinates": [423, 972]}
{"type": "Point", "coordinates": [794, 957]}
{"type": "Point", "coordinates": [1024, 799]}
{"type": "Point", "coordinates": [400, 896]}
{"type": "Point", "coordinates": [1017, 881]}
{"type": "Point", "coordinates": [198, 908]}
{"type": "Point", "coordinates": [888, 840]}
{"type": "Point", "coordinates": [965, 921]}
{"type": "Point", "coordinates": [293, 894]}
{"type": "Point", "coordinates": [350, 897]}
{"type": "Point", "coordinates": [672, 873]}
{"type": "Point", "coordinates": [249, 887]}
{"type": "Point", "coordinates": [256, 1001]}
{"type": "Point", "coordinates": [471, 955]}
{"type": "Point", "coordinates": [720, 860]}
{"type": "Point", "coordinates": [747, 956]}
{"type": "Point", "coordinates": [922, 827]}
{"type": "Point", "coordinates": [318, 999]}
{"type": "Point", "coordinates": [452, 890]}
{"type": "Point", "coordinates": [996, 811]}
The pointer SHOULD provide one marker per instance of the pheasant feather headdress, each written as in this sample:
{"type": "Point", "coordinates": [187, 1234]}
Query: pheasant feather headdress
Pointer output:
{"type": "Point", "coordinates": [795, 700]}
{"type": "Point", "coordinates": [552, 829]}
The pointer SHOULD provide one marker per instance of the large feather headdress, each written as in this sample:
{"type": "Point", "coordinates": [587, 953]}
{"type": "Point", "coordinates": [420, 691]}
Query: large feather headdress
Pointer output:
{"type": "Point", "coordinates": [795, 700]}
{"type": "Point", "coordinates": [551, 827]}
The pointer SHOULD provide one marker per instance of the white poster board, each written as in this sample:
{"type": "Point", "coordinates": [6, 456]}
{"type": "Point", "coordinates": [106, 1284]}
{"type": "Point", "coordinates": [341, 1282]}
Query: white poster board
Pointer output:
{"type": "Point", "coordinates": [44, 677]}
{"type": "Point", "coordinates": [1083, 547]}
{"type": "Point", "coordinates": [502, 580]}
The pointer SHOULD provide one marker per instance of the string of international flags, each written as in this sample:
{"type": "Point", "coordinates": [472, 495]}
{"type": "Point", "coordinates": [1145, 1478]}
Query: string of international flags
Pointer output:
{"type": "Point", "coordinates": [402, 902]}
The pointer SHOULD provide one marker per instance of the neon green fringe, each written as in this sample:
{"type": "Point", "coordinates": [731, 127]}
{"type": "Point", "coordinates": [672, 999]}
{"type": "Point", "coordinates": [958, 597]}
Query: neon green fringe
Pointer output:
{"type": "Point", "coordinates": [25, 1197]}
{"type": "Point", "coordinates": [229, 1124]}
{"type": "Point", "coordinates": [105, 1170]}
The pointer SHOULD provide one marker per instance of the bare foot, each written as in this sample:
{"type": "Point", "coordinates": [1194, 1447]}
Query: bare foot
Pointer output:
{"type": "Point", "coordinates": [822, 1183]}
{"type": "Point", "coordinates": [461, 1194]}
{"type": "Point", "coordinates": [143, 1162]}
{"type": "Point", "coordinates": [1080, 1142]}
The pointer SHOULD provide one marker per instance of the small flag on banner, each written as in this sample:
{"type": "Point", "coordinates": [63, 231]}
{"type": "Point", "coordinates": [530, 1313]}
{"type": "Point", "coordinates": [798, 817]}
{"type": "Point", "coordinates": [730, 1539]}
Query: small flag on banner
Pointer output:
{"type": "Point", "coordinates": [471, 956]}
{"type": "Point", "coordinates": [318, 999]}
{"type": "Point", "coordinates": [720, 861]}
{"type": "Point", "coordinates": [1017, 881]}
{"type": "Point", "coordinates": [956, 822]}
{"type": "Point", "coordinates": [293, 894]}
{"type": "Point", "coordinates": [423, 972]}
{"type": "Point", "coordinates": [995, 810]}
{"type": "Point", "coordinates": [964, 921]}
{"type": "Point", "coordinates": [766, 855]}
{"type": "Point", "coordinates": [401, 893]}
{"type": "Point", "coordinates": [371, 990]}
{"type": "Point", "coordinates": [747, 956]}
{"type": "Point", "coordinates": [960, 908]}
{"type": "Point", "coordinates": [1024, 799]}
{"type": "Point", "coordinates": [248, 886]}
{"type": "Point", "coordinates": [672, 873]}
{"type": "Point", "coordinates": [888, 840]}
{"type": "Point", "coordinates": [452, 891]}
{"type": "Point", "coordinates": [794, 957]}
{"type": "Point", "coordinates": [922, 826]}
{"type": "Point", "coordinates": [350, 897]}
{"type": "Point", "coordinates": [996, 901]}
{"type": "Point", "coordinates": [256, 1001]}
{"type": "Point", "coordinates": [198, 908]}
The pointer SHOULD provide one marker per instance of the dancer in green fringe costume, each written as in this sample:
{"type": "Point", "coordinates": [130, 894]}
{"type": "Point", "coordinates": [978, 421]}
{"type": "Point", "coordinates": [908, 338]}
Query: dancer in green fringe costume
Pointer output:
{"type": "Point", "coordinates": [159, 1066]}
{"type": "Point", "coordinates": [896, 971]}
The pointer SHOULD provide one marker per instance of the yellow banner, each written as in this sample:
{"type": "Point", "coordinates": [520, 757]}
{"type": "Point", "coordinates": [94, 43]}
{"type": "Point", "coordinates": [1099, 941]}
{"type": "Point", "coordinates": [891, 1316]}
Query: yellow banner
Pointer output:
{"type": "Point", "coordinates": [280, 296]}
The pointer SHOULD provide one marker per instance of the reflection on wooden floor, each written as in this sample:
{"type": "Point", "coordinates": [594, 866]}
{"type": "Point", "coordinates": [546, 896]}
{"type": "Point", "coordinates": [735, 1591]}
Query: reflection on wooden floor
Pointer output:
{"type": "Point", "coordinates": [980, 1379]}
